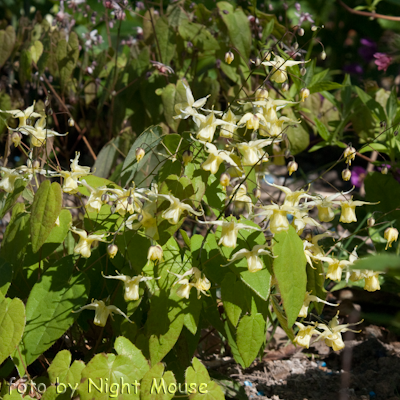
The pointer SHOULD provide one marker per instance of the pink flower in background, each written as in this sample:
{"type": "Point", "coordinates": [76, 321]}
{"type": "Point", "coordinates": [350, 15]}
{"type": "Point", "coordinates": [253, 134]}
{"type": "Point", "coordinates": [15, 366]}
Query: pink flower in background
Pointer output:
{"type": "Point", "coordinates": [358, 175]}
{"type": "Point", "coordinates": [382, 61]}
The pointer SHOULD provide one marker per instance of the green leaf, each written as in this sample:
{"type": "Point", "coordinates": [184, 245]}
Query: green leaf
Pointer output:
{"type": "Point", "coordinates": [371, 104]}
{"type": "Point", "coordinates": [149, 141]}
{"type": "Point", "coordinates": [298, 137]}
{"type": "Point", "coordinates": [6, 274]}
{"type": "Point", "coordinates": [321, 86]}
{"type": "Point", "coordinates": [124, 347]}
{"type": "Point", "coordinates": [25, 67]}
{"type": "Point", "coordinates": [385, 190]}
{"type": "Point", "coordinates": [232, 298]}
{"type": "Point", "coordinates": [388, 263]}
{"type": "Point", "coordinates": [12, 198]}
{"type": "Point", "coordinates": [198, 34]}
{"type": "Point", "coordinates": [50, 305]}
{"type": "Point", "coordinates": [117, 372]}
{"type": "Point", "coordinates": [157, 385]}
{"type": "Point", "coordinates": [268, 28]}
{"type": "Point", "coordinates": [315, 283]}
{"type": "Point", "coordinates": [55, 238]}
{"type": "Point", "coordinates": [67, 54]}
{"type": "Point", "coordinates": [322, 129]}
{"type": "Point", "coordinates": [282, 319]}
{"type": "Point", "coordinates": [290, 271]}
{"type": "Point", "coordinates": [199, 384]}
{"type": "Point", "coordinates": [36, 50]}
{"type": "Point", "coordinates": [238, 28]}
{"type": "Point", "coordinates": [65, 376]}
{"type": "Point", "coordinates": [250, 336]}
{"type": "Point", "coordinates": [166, 40]}
{"type": "Point", "coordinates": [7, 42]}
{"type": "Point", "coordinates": [46, 208]}
{"type": "Point", "coordinates": [163, 331]}
{"type": "Point", "coordinates": [374, 146]}
{"type": "Point", "coordinates": [391, 105]}
{"type": "Point", "coordinates": [106, 158]}
{"type": "Point", "coordinates": [12, 323]}
{"type": "Point", "coordinates": [16, 237]}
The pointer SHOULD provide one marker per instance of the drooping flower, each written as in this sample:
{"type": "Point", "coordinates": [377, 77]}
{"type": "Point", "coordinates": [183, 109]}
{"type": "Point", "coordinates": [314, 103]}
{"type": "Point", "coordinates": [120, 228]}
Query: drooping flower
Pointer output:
{"type": "Point", "coordinates": [39, 133]}
{"type": "Point", "coordinates": [230, 127]}
{"type": "Point", "coordinates": [254, 262]}
{"type": "Point", "coordinates": [279, 65]}
{"type": "Point", "coordinates": [305, 333]}
{"type": "Point", "coordinates": [348, 213]}
{"type": "Point", "coordinates": [131, 284]}
{"type": "Point", "coordinates": [216, 158]}
{"type": "Point", "coordinates": [23, 115]}
{"type": "Point", "coordinates": [196, 280]}
{"type": "Point", "coordinates": [230, 229]}
{"type": "Point", "coordinates": [102, 312]}
{"type": "Point", "coordinates": [252, 121]}
{"type": "Point", "coordinates": [239, 195]}
{"type": "Point", "coordinates": [85, 241]}
{"type": "Point", "coordinates": [189, 109]}
{"type": "Point", "coordinates": [9, 176]}
{"type": "Point", "coordinates": [306, 303]}
{"type": "Point", "coordinates": [332, 333]}
{"type": "Point", "coordinates": [127, 201]}
{"type": "Point", "coordinates": [277, 216]}
{"type": "Point", "coordinates": [173, 213]}
{"type": "Point", "coordinates": [155, 253]}
{"type": "Point", "coordinates": [391, 235]}
{"type": "Point", "coordinates": [207, 127]}
{"type": "Point", "coordinates": [95, 200]}
{"type": "Point", "coordinates": [253, 152]}
{"type": "Point", "coordinates": [70, 184]}
{"type": "Point", "coordinates": [146, 219]}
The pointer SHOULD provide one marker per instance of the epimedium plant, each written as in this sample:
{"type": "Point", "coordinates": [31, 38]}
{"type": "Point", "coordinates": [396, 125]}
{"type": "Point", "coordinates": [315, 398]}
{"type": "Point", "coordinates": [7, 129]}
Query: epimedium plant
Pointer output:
{"type": "Point", "coordinates": [117, 274]}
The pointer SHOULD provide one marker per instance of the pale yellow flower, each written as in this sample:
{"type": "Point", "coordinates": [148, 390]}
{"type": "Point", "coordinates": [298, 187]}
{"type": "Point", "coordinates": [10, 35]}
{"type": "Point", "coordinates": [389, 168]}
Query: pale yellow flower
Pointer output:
{"type": "Point", "coordinates": [102, 312]}
{"type": "Point", "coordinates": [279, 65]}
{"type": "Point", "coordinates": [173, 213]}
{"type": "Point", "coordinates": [216, 158]}
{"type": "Point", "coordinates": [23, 115]}
{"type": "Point", "coordinates": [304, 335]}
{"type": "Point", "coordinates": [391, 235]}
{"type": "Point", "coordinates": [85, 242]}
{"type": "Point", "coordinates": [252, 152]}
{"type": "Point", "coordinates": [131, 284]}
{"type": "Point", "coordinates": [254, 262]}
{"type": "Point", "coordinates": [196, 280]}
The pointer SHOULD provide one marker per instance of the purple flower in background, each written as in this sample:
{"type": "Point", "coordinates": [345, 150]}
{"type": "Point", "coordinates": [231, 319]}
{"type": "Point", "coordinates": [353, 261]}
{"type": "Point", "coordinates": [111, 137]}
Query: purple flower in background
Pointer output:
{"type": "Point", "coordinates": [368, 49]}
{"type": "Point", "coordinates": [358, 175]}
{"type": "Point", "coordinates": [382, 61]}
{"type": "Point", "coordinates": [353, 68]}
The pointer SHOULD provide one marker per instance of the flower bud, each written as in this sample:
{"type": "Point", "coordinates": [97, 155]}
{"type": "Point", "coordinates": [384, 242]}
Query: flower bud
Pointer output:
{"type": "Point", "coordinates": [371, 222]}
{"type": "Point", "coordinates": [225, 180]}
{"type": "Point", "coordinates": [384, 170]}
{"type": "Point", "coordinates": [261, 94]}
{"type": "Point", "coordinates": [229, 57]}
{"type": "Point", "coordinates": [267, 56]}
{"type": "Point", "coordinates": [187, 157]}
{"type": "Point", "coordinates": [47, 102]}
{"type": "Point", "coordinates": [391, 235]}
{"type": "Point", "coordinates": [296, 45]}
{"type": "Point", "coordinates": [155, 254]}
{"type": "Point", "coordinates": [105, 198]}
{"type": "Point", "coordinates": [304, 93]}
{"type": "Point", "coordinates": [36, 164]}
{"type": "Point", "coordinates": [16, 138]}
{"type": "Point", "coordinates": [285, 87]}
{"type": "Point", "coordinates": [346, 174]}
{"type": "Point", "coordinates": [257, 193]}
{"type": "Point", "coordinates": [323, 55]}
{"type": "Point", "coordinates": [257, 62]}
{"type": "Point", "coordinates": [300, 32]}
{"type": "Point", "coordinates": [349, 154]}
{"type": "Point", "coordinates": [314, 28]}
{"type": "Point", "coordinates": [112, 250]}
{"type": "Point", "coordinates": [140, 153]}
{"type": "Point", "coordinates": [303, 71]}
{"type": "Point", "coordinates": [292, 167]}
{"type": "Point", "coordinates": [50, 111]}
{"type": "Point", "coordinates": [71, 122]}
